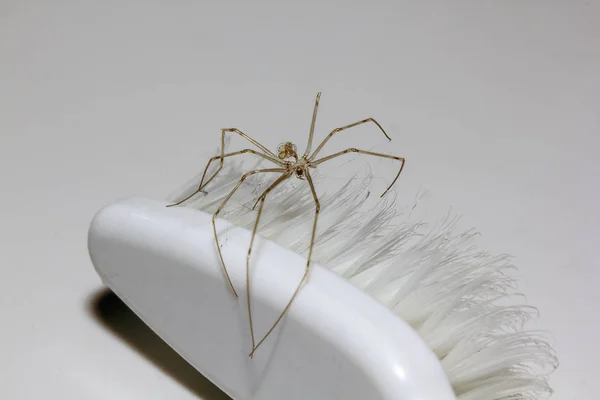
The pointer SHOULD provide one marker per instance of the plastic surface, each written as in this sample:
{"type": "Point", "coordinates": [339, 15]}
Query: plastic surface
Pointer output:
{"type": "Point", "coordinates": [336, 342]}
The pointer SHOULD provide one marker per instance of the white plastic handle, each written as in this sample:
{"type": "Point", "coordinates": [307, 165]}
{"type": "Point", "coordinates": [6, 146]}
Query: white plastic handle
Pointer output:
{"type": "Point", "coordinates": [336, 342]}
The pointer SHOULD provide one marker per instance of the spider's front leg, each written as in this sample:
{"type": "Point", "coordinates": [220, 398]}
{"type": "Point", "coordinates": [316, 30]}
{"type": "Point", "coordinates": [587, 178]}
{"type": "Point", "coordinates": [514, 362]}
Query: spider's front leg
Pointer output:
{"type": "Point", "coordinates": [369, 153]}
{"type": "Point", "coordinates": [268, 155]}
{"type": "Point", "coordinates": [242, 179]}
{"type": "Point", "coordinates": [308, 260]}
{"type": "Point", "coordinates": [248, 138]}
{"type": "Point", "coordinates": [221, 157]}
{"type": "Point", "coordinates": [261, 199]}
{"type": "Point", "coordinates": [337, 130]}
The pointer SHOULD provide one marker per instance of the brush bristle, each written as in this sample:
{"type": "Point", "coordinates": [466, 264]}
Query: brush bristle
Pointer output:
{"type": "Point", "coordinates": [458, 298]}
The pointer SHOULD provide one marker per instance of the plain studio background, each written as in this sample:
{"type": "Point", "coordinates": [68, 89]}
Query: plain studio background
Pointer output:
{"type": "Point", "coordinates": [494, 105]}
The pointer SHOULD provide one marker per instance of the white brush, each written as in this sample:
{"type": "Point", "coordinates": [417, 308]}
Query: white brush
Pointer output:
{"type": "Point", "coordinates": [451, 294]}
{"type": "Point", "coordinates": [458, 298]}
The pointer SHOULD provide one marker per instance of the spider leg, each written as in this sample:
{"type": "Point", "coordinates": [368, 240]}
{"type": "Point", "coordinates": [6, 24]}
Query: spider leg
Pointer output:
{"type": "Point", "coordinates": [370, 153]}
{"type": "Point", "coordinates": [312, 125]}
{"type": "Point", "coordinates": [248, 138]}
{"type": "Point", "coordinates": [336, 130]}
{"type": "Point", "coordinates": [261, 199]}
{"type": "Point", "coordinates": [308, 259]}
{"type": "Point", "coordinates": [247, 174]}
{"type": "Point", "coordinates": [221, 157]}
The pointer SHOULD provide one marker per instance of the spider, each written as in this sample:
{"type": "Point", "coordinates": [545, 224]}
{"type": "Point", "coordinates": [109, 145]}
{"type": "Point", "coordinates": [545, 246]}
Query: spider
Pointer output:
{"type": "Point", "coordinates": [288, 164]}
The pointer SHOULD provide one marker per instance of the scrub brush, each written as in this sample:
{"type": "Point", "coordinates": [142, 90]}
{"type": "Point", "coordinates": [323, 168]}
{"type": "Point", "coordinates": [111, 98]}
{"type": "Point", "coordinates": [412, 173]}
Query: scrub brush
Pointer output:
{"type": "Point", "coordinates": [458, 298]}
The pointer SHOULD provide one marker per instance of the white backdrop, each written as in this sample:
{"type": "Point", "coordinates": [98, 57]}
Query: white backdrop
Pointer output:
{"type": "Point", "coordinates": [494, 105]}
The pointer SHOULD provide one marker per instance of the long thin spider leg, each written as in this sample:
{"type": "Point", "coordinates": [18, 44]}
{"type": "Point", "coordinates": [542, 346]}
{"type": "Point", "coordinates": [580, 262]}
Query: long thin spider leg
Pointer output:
{"type": "Point", "coordinates": [312, 125]}
{"type": "Point", "coordinates": [247, 174]}
{"type": "Point", "coordinates": [370, 153]}
{"type": "Point", "coordinates": [308, 259]}
{"type": "Point", "coordinates": [221, 157]}
{"type": "Point", "coordinates": [336, 130]}
{"type": "Point", "coordinates": [261, 197]}
{"type": "Point", "coordinates": [248, 138]}
{"type": "Point", "coordinates": [260, 209]}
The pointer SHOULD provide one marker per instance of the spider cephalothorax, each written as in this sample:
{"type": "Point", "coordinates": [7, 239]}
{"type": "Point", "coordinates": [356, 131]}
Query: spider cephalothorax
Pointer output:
{"type": "Point", "coordinates": [299, 167]}
{"type": "Point", "coordinates": [288, 164]}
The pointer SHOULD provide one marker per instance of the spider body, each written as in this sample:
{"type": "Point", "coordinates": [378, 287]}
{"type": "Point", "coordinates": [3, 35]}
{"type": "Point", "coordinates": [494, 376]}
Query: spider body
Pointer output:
{"type": "Point", "coordinates": [288, 164]}
{"type": "Point", "coordinates": [299, 167]}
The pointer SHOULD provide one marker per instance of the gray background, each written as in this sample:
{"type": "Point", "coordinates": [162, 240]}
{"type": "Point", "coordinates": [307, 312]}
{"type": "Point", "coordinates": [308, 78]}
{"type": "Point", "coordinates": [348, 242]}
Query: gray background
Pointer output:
{"type": "Point", "coordinates": [494, 105]}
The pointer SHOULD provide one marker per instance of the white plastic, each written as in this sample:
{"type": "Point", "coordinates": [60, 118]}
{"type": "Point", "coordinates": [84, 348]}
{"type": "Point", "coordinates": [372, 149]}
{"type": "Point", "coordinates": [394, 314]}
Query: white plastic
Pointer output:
{"type": "Point", "coordinates": [336, 342]}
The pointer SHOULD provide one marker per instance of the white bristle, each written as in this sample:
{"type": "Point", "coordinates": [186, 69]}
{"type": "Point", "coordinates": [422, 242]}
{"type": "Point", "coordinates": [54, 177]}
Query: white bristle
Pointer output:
{"type": "Point", "coordinates": [458, 298]}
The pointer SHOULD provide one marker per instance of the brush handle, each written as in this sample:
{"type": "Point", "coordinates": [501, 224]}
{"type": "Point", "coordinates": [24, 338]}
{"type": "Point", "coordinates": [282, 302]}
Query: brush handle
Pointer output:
{"type": "Point", "coordinates": [336, 342]}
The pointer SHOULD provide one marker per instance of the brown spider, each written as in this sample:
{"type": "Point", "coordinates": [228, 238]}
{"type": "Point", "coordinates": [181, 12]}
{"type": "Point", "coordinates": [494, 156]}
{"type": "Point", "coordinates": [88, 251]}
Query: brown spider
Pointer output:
{"type": "Point", "coordinates": [289, 164]}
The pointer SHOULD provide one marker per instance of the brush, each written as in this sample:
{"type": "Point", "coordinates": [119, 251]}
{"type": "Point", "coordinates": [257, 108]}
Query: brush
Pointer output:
{"type": "Point", "coordinates": [461, 300]}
